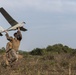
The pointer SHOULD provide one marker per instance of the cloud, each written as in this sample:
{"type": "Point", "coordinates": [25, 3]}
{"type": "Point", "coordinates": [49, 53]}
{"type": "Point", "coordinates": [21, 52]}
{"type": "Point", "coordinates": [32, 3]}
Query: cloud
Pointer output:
{"type": "Point", "coordinates": [41, 5]}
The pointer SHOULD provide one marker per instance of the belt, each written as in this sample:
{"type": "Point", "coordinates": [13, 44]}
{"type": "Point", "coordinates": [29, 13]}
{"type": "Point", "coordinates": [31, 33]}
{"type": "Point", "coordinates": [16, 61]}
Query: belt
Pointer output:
{"type": "Point", "coordinates": [8, 50]}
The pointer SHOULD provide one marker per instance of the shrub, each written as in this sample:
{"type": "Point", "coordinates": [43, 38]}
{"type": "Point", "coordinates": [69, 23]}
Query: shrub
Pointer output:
{"type": "Point", "coordinates": [36, 51]}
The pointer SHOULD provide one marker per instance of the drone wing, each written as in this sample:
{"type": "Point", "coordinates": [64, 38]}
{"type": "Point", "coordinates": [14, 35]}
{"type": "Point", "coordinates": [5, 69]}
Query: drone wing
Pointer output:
{"type": "Point", "coordinates": [10, 20]}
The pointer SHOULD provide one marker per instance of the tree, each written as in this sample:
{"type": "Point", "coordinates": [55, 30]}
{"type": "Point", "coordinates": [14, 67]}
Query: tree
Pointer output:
{"type": "Point", "coordinates": [36, 51]}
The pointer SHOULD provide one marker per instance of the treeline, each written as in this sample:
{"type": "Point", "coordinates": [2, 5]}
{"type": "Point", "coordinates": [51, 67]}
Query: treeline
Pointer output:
{"type": "Point", "coordinates": [57, 48]}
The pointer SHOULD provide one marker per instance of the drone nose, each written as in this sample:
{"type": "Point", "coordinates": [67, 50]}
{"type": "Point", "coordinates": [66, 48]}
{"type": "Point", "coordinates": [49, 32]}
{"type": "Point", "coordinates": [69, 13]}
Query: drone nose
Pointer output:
{"type": "Point", "coordinates": [24, 22]}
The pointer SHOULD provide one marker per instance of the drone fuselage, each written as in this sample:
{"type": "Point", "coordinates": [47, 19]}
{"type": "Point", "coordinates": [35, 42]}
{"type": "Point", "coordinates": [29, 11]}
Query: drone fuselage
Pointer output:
{"type": "Point", "coordinates": [16, 26]}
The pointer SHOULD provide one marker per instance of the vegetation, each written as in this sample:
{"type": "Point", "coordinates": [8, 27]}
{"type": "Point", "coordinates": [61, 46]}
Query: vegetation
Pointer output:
{"type": "Point", "coordinates": [2, 50]}
{"type": "Point", "coordinates": [57, 48]}
{"type": "Point", "coordinates": [57, 59]}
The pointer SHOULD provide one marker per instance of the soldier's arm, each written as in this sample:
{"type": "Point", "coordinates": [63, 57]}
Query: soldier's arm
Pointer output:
{"type": "Point", "coordinates": [7, 36]}
{"type": "Point", "coordinates": [19, 35]}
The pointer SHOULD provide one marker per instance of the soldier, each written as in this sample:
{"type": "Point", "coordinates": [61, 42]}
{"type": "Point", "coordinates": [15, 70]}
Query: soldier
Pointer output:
{"type": "Point", "coordinates": [13, 46]}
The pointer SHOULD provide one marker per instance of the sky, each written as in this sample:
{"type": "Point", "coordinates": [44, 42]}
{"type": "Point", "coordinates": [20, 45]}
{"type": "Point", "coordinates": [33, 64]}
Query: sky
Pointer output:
{"type": "Point", "coordinates": [48, 22]}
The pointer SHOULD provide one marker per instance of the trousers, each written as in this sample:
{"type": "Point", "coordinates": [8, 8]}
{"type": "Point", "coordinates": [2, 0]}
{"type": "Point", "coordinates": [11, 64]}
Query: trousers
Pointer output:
{"type": "Point", "coordinates": [12, 55]}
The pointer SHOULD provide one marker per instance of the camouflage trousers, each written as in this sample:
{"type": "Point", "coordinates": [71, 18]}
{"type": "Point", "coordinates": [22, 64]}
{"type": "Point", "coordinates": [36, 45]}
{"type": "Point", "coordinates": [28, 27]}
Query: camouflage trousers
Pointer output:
{"type": "Point", "coordinates": [12, 55]}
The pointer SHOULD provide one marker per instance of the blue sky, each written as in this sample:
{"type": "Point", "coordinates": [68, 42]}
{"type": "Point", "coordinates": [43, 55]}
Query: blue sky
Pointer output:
{"type": "Point", "coordinates": [48, 22]}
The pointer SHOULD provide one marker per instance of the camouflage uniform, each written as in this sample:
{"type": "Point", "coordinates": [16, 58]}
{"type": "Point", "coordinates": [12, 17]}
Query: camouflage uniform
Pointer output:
{"type": "Point", "coordinates": [13, 46]}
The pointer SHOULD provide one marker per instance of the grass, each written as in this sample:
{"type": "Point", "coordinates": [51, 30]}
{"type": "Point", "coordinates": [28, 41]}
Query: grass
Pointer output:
{"type": "Point", "coordinates": [48, 63]}
{"type": "Point", "coordinates": [37, 65]}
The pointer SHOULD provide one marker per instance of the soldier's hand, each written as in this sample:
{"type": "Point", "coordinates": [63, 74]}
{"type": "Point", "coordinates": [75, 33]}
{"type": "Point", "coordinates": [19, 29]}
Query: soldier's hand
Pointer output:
{"type": "Point", "coordinates": [19, 28]}
{"type": "Point", "coordinates": [5, 31]}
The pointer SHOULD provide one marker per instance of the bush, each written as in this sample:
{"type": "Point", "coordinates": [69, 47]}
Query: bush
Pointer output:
{"type": "Point", "coordinates": [36, 51]}
{"type": "Point", "coordinates": [2, 50]}
{"type": "Point", "coordinates": [55, 48]}
{"type": "Point", "coordinates": [23, 52]}
{"type": "Point", "coordinates": [66, 49]}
